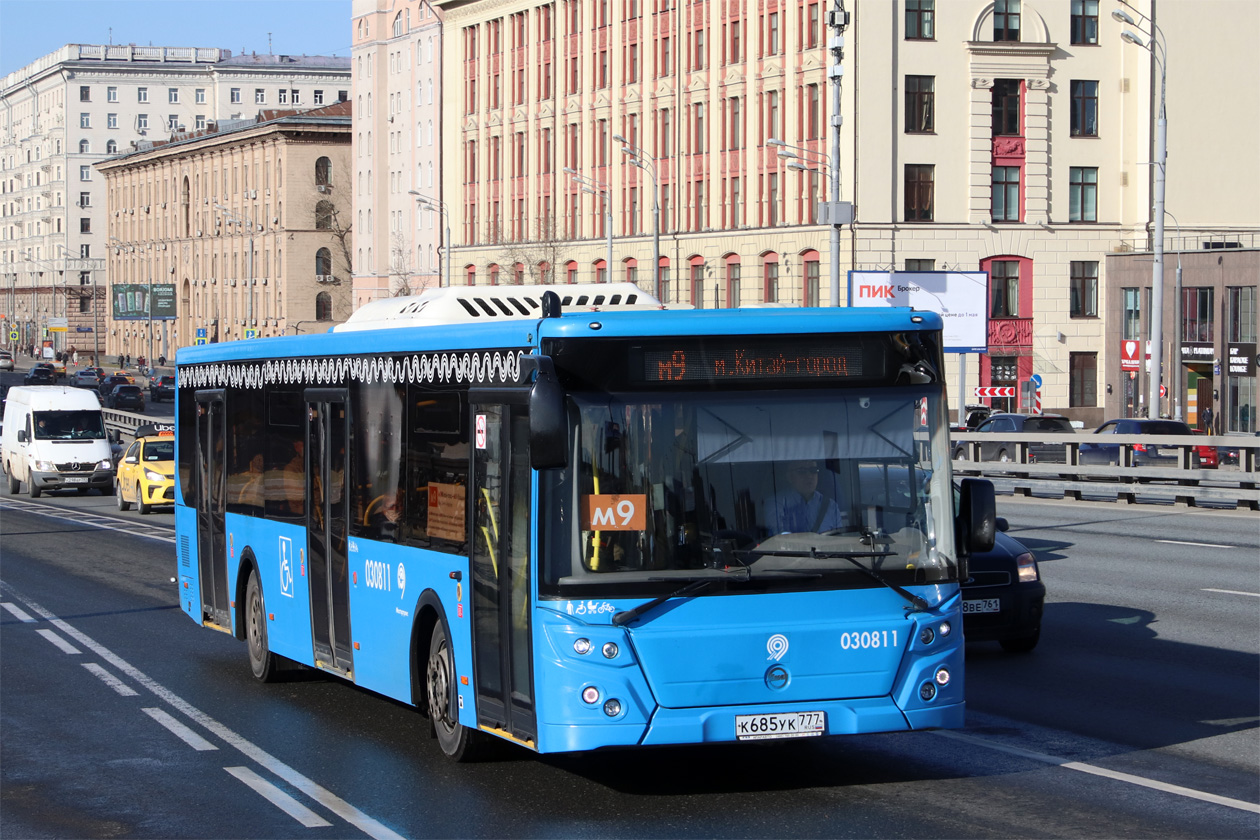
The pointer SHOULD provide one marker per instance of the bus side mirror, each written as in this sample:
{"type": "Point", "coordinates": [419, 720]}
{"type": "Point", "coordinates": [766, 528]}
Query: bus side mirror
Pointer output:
{"type": "Point", "coordinates": [548, 422]}
{"type": "Point", "coordinates": [976, 523]}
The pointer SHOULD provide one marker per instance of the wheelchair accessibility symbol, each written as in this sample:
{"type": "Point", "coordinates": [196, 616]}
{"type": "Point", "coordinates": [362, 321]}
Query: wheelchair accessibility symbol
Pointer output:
{"type": "Point", "coordinates": [286, 567]}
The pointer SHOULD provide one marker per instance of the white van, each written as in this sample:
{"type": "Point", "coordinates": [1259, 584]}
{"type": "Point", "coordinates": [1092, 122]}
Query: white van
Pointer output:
{"type": "Point", "coordinates": [54, 438]}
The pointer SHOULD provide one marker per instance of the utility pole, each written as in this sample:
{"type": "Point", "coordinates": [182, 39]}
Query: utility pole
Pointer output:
{"type": "Point", "coordinates": [838, 212]}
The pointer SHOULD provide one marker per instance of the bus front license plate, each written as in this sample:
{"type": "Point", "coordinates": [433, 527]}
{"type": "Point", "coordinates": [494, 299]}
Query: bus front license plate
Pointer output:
{"type": "Point", "coordinates": [780, 725]}
{"type": "Point", "coordinates": [988, 605]}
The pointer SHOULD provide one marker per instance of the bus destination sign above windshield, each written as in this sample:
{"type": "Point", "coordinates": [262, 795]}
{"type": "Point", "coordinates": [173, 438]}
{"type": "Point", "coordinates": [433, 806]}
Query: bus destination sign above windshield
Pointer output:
{"type": "Point", "coordinates": [732, 361]}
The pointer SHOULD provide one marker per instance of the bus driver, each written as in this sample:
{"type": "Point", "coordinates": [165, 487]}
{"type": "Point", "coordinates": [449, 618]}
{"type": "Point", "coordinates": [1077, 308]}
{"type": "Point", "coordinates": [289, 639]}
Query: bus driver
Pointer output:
{"type": "Point", "coordinates": [803, 509]}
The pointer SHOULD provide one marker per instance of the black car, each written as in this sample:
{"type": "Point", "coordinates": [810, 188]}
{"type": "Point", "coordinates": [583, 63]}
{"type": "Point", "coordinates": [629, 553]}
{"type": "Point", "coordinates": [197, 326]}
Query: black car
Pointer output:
{"type": "Point", "coordinates": [109, 383]}
{"type": "Point", "coordinates": [998, 449]}
{"type": "Point", "coordinates": [126, 396]}
{"type": "Point", "coordinates": [162, 387]}
{"type": "Point", "coordinates": [1096, 451]}
{"type": "Point", "coordinates": [1003, 595]}
{"type": "Point", "coordinates": [39, 375]}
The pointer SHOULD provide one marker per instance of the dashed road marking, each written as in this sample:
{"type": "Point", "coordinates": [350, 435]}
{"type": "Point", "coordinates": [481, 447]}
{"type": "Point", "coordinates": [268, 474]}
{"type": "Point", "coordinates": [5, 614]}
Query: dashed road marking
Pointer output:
{"type": "Point", "coordinates": [180, 731]}
{"type": "Point", "coordinates": [61, 643]}
{"type": "Point", "coordinates": [279, 798]}
{"type": "Point", "coordinates": [110, 680]}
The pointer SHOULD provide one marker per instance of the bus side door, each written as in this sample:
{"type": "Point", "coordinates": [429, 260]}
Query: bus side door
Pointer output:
{"type": "Point", "coordinates": [327, 442]}
{"type": "Point", "coordinates": [501, 532]}
{"type": "Point", "coordinates": [211, 505]}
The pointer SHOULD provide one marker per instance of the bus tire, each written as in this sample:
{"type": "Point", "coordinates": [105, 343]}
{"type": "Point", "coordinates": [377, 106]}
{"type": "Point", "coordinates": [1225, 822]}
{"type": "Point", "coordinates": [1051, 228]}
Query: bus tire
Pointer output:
{"type": "Point", "coordinates": [456, 740]}
{"type": "Point", "coordinates": [264, 664]}
{"type": "Point", "coordinates": [141, 505]}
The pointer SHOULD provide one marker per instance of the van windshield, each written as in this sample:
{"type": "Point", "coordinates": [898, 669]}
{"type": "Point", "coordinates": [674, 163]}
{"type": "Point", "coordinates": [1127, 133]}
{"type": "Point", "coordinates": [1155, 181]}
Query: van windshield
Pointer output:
{"type": "Point", "coordinates": [69, 425]}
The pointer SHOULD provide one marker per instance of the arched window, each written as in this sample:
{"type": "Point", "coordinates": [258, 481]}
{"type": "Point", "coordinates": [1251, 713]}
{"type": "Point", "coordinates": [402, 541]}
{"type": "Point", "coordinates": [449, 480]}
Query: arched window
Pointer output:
{"type": "Point", "coordinates": [398, 24]}
{"type": "Point", "coordinates": [570, 272]}
{"type": "Point", "coordinates": [323, 172]}
{"type": "Point", "coordinates": [770, 276]}
{"type": "Point", "coordinates": [323, 215]}
{"type": "Point", "coordinates": [518, 274]}
{"type": "Point", "coordinates": [696, 266]}
{"type": "Point", "coordinates": [84, 146]}
{"type": "Point", "coordinates": [470, 275]}
{"type": "Point", "coordinates": [494, 274]}
{"type": "Point", "coordinates": [323, 262]}
{"type": "Point", "coordinates": [811, 295]}
{"type": "Point", "coordinates": [733, 281]}
{"type": "Point", "coordinates": [323, 307]}
{"type": "Point", "coordinates": [601, 271]}
{"type": "Point", "coordinates": [111, 147]}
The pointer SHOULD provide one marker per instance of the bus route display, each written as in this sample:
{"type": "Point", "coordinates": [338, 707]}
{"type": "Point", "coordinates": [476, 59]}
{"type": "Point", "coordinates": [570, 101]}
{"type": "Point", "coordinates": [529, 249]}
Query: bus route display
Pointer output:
{"type": "Point", "coordinates": [731, 361]}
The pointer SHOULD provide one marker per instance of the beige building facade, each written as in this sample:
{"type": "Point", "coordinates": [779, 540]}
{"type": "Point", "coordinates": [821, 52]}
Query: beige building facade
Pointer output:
{"type": "Point", "coordinates": [247, 227]}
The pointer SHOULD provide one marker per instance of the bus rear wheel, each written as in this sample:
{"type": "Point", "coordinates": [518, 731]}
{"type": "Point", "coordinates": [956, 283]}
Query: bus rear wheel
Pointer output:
{"type": "Point", "coordinates": [264, 664]}
{"type": "Point", "coordinates": [456, 740]}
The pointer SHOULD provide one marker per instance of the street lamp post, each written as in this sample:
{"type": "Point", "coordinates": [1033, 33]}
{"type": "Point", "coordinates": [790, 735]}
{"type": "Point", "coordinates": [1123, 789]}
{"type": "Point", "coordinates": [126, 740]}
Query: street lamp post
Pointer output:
{"type": "Point", "coordinates": [431, 203]}
{"type": "Point", "coordinates": [238, 220]}
{"type": "Point", "coordinates": [647, 163]}
{"type": "Point", "coordinates": [594, 187]}
{"type": "Point", "coordinates": [813, 162]}
{"type": "Point", "coordinates": [1155, 44]}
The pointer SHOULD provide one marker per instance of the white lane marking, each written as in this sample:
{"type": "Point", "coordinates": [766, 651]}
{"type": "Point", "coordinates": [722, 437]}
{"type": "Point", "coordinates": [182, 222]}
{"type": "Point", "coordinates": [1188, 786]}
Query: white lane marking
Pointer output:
{"type": "Point", "coordinates": [1102, 771]}
{"type": "Point", "coordinates": [328, 799]}
{"type": "Point", "coordinates": [1233, 592]}
{"type": "Point", "coordinates": [1195, 544]}
{"type": "Point", "coordinates": [18, 612]}
{"type": "Point", "coordinates": [180, 731]}
{"type": "Point", "coordinates": [65, 646]}
{"type": "Point", "coordinates": [81, 518]}
{"type": "Point", "coordinates": [110, 680]}
{"type": "Point", "coordinates": [279, 798]}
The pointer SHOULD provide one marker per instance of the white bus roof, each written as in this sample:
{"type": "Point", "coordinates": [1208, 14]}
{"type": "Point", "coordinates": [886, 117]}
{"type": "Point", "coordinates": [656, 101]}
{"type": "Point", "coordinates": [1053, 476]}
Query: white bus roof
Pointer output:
{"type": "Point", "coordinates": [483, 304]}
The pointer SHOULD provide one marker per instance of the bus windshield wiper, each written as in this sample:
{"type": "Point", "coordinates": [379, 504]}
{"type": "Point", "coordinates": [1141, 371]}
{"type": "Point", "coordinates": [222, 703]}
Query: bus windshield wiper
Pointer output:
{"type": "Point", "coordinates": [852, 556]}
{"type": "Point", "coordinates": [697, 585]}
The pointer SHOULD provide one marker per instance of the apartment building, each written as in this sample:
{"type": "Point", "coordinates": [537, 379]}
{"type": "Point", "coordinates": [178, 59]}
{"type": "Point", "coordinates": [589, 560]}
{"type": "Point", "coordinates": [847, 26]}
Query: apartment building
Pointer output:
{"type": "Point", "coordinates": [587, 139]}
{"type": "Point", "coordinates": [399, 216]}
{"type": "Point", "coordinates": [85, 103]}
{"type": "Point", "coordinates": [243, 231]}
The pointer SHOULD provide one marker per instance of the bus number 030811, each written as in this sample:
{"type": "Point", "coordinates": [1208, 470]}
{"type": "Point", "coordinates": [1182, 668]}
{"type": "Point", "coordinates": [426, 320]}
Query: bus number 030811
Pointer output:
{"type": "Point", "coordinates": [868, 639]}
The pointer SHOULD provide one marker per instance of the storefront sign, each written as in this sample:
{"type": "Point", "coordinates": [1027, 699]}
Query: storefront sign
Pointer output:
{"type": "Point", "coordinates": [1197, 352]}
{"type": "Point", "coordinates": [1129, 355]}
{"type": "Point", "coordinates": [1241, 359]}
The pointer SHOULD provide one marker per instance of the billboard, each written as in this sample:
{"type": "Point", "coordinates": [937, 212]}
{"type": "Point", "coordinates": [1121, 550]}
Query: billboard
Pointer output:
{"type": "Point", "coordinates": [131, 301]}
{"type": "Point", "coordinates": [960, 297]}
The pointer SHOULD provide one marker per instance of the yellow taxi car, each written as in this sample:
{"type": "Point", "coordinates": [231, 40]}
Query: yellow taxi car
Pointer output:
{"type": "Point", "coordinates": [146, 471]}
{"type": "Point", "coordinates": [131, 379]}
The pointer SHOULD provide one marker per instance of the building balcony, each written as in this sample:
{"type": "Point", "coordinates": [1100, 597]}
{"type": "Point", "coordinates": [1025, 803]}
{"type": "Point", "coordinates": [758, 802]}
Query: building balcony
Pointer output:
{"type": "Point", "coordinates": [1010, 332]}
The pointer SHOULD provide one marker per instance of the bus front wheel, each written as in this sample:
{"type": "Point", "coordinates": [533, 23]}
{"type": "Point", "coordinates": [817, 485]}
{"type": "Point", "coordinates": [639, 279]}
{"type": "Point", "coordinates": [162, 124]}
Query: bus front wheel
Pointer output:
{"type": "Point", "coordinates": [262, 662]}
{"type": "Point", "coordinates": [456, 740]}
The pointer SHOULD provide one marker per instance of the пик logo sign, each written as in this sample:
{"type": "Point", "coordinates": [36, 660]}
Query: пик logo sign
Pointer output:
{"type": "Point", "coordinates": [777, 645]}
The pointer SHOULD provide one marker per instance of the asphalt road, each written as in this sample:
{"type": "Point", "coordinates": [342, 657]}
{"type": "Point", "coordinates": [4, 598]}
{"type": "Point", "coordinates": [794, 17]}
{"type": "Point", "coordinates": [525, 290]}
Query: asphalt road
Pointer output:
{"type": "Point", "coordinates": [1136, 716]}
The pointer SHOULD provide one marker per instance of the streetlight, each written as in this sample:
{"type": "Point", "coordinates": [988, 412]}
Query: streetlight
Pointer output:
{"type": "Point", "coordinates": [647, 163]}
{"type": "Point", "coordinates": [813, 162]}
{"type": "Point", "coordinates": [437, 204]}
{"type": "Point", "coordinates": [1155, 43]}
{"type": "Point", "coordinates": [594, 187]}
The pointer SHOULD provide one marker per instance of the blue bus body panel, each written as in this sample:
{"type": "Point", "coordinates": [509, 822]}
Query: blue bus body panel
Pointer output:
{"type": "Point", "coordinates": [279, 550]}
{"type": "Point", "coordinates": [683, 671]}
{"type": "Point", "coordinates": [189, 581]}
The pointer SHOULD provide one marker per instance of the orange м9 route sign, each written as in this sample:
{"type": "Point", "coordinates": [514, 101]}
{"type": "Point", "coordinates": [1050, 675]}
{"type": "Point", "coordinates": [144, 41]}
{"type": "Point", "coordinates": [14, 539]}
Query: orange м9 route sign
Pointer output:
{"type": "Point", "coordinates": [614, 513]}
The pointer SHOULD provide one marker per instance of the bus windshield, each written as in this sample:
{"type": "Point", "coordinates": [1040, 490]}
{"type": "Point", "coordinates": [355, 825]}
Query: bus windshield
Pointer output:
{"type": "Point", "coordinates": [787, 488]}
{"type": "Point", "coordinates": [69, 425]}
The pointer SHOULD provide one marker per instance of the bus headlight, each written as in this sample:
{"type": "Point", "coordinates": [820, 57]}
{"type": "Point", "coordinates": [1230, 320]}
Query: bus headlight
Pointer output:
{"type": "Point", "coordinates": [581, 646]}
{"type": "Point", "coordinates": [927, 691]}
{"type": "Point", "coordinates": [612, 707]}
{"type": "Point", "coordinates": [942, 677]}
{"type": "Point", "coordinates": [590, 695]}
{"type": "Point", "coordinates": [610, 650]}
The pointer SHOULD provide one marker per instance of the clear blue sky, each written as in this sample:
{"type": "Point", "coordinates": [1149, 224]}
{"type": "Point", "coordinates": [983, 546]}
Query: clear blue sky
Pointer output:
{"type": "Point", "coordinates": [33, 28]}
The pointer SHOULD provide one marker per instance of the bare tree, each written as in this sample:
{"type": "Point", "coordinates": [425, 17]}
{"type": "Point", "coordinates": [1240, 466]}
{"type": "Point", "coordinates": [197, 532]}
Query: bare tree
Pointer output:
{"type": "Point", "coordinates": [341, 288]}
{"type": "Point", "coordinates": [539, 257]}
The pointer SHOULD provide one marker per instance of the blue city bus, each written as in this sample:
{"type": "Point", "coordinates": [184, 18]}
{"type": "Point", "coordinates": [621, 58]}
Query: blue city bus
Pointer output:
{"type": "Point", "coordinates": [574, 518]}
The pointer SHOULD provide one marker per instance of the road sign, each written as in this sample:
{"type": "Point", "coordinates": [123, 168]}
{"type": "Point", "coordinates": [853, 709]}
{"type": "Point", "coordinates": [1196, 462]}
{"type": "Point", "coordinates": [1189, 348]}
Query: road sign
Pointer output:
{"type": "Point", "coordinates": [201, 332]}
{"type": "Point", "coordinates": [13, 335]}
{"type": "Point", "coordinates": [1036, 378]}
{"type": "Point", "coordinates": [200, 340]}
{"type": "Point", "coordinates": [251, 333]}
{"type": "Point", "coordinates": [1004, 391]}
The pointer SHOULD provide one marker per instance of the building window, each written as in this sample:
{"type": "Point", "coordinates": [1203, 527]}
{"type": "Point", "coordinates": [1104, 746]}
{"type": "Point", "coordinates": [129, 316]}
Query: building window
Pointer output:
{"type": "Point", "coordinates": [1084, 21]}
{"type": "Point", "coordinates": [85, 93]}
{"type": "Point", "coordinates": [1083, 194]}
{"type": "Point", "coordinates": [234, 96]}
{"type": "Point", "coordinates": [732, 284]}
{"type": "Point", "coordinates": [1006, 98]}
{"type": "Point", "coordinates": [323, 215]}
{"type": "Point", "coordinates": [770, 278]}
{"type": "Point", "coordinates": [172, 123]}
{"type": "Point", "coordinates": [1196, 315]}
{"type": "Point", "coordinates": [697, 283]}
{"type": "Point", "coordinates": [318, 97]}
{"type": "Point", "coordinates": [172, 96]}
{"type": "Point", "coordinates": [773, 46]}
{"type": "Point", "coordinates": [920, 180]}
{"type": "Point", "coordinates": [323, 307]}
{"type": "Point", "coordinates": [283, 96]}
{"type": "Point", "coordinates": [85, 199]}
{"type": "Point", "coordinates": [323, 172]}
{"type": "Point", "coordinates": [1005, 199]}
{"type": "Point", "coordinates": [85, 120]}
{"type": "Point", "coordinates": [142, 94]}
{"type": "Point", "coordinates": [295, 97]}
{"type": "Point", "coordinates": [1004, 373]}
{"type": "Point", "coordinates": [1242, 313]}
{"type": "Point", "coordinates": [1006, 20]}
{"type": "Point", "coordinates": [920, 265]}
{"type": "Point", "coordinates": [200, 122]}
{"type": "Point", "coordinates": [1084, 302]}
{"type": "Point", "coordinates": [111, 121]}
{"type": "Point", "coordinates": [323, 262]}
{"type": "Point", "coordinates": [1084, 109]}
{"type": "Point", "coordinates": [85, 173]}
{"type": "Point", "coordinates": [920, 104]}
{"type": "Point", "coordinates": [1083, 376]}
{"type": "Point", "coordinates": [1131, 326]}
{"type": "Point", "coordinates": [200, 96]}
{"type": "Point", "coordinates": [111, 147]}
{"type": "Point", "coordinates": [85, 146]}
{"type": "Point", "coordinates": [920, 20]}
{"type": "Point", "coordinates": [111, 94]}
{"type": "Point", "coordinates": [813, 294]}
{"type": "Point", "coordinates": [1004, 288]}
{"type": "Point", "coordinates": [260, 96]}
{"type": "Point", "coordinates": [85, 224]}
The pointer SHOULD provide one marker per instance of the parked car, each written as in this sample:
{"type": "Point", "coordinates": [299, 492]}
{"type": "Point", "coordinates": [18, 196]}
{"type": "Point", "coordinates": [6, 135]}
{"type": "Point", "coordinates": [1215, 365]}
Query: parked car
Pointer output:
{"type": "Point", "coordinates": [1096, 451]}
{"type": "Point", "coordinates": [86, 379]}
{"type": "Point", "coordinates": [162, 387]}
{"type": "Point", "coordinates": [58, 367]}
{"type": "Point", "coordinates": [6, 360]}
{"type": "Point", "coordinates": [39, 375]}
{"type": "Point", "coordinates": [1006, 450]}
{"type": "Point", "coordinates": [976, 414]}
{"type": "Point", "coordinates": [146, 472]}
{"type": "Point", "coordinates": [1003, 595]}
{"type": "Point", "coordinates": [126, 397]}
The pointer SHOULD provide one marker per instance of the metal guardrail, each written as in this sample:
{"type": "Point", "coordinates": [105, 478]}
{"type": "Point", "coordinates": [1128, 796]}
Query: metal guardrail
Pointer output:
{"type": "Point", "coordinates": [1230, 484]}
